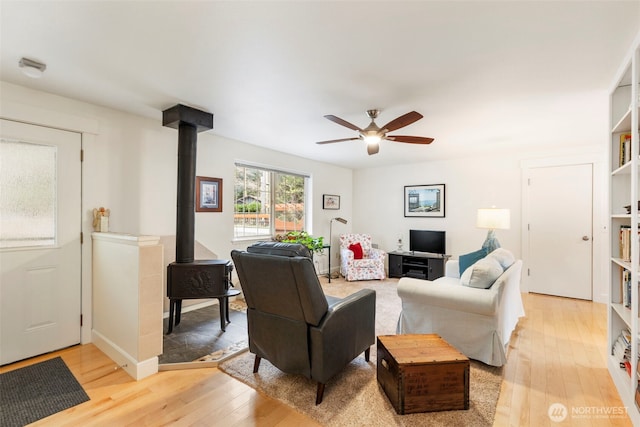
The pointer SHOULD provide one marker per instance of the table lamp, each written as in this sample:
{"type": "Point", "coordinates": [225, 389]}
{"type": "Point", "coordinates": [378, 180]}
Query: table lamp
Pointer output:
{"type": "Point", "coordinates": [493, 219]}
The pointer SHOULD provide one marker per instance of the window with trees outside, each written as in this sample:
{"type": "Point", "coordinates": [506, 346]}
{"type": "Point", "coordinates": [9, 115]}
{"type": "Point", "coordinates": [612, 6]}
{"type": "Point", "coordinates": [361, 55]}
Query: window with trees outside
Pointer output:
{"type": "Point", "coordinates": [268, 202]}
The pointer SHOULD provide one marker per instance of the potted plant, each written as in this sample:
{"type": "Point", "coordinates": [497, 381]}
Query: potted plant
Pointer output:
{"type": "Point", "coordinates": [314, 244]}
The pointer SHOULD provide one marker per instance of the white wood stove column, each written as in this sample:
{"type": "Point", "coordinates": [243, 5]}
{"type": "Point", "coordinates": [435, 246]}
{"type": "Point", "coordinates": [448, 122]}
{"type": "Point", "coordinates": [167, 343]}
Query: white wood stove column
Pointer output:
{"type": "Point", "coordinates": [127, 300]}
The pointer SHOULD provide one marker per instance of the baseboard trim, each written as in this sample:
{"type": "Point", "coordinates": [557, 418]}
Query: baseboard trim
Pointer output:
{"type": "Point", "coordinates": [136, 369]}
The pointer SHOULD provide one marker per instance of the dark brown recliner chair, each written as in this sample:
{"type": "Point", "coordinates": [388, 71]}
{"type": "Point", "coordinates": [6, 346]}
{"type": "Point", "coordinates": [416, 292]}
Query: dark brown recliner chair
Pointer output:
{"type": "Point", "coordinates": [292, 323]}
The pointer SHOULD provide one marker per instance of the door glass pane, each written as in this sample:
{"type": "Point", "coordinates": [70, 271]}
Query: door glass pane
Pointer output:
{"type": "Point", "coordinates": [27, 194]}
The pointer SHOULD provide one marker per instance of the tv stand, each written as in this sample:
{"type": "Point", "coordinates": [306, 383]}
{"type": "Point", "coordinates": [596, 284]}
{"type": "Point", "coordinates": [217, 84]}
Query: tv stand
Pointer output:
{"type": "Point", "coordinates": [420, 265]}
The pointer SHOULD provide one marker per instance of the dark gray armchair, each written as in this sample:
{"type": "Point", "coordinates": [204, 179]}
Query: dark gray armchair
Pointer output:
{"type": "Point", "coordinates": [292, 323]}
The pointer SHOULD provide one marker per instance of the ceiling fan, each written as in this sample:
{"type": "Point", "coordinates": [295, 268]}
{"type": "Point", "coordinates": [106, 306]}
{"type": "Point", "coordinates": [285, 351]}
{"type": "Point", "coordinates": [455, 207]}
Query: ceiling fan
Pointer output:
{"type": "Point", "coordinates": [373, 134]}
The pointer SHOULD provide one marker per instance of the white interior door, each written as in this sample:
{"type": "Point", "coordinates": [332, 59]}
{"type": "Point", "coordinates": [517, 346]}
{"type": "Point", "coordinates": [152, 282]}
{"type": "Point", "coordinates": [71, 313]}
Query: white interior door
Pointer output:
{"type": "Point", "coordinates": [40, 253]}
{"type": "Point", "coordinates": [560, 230]}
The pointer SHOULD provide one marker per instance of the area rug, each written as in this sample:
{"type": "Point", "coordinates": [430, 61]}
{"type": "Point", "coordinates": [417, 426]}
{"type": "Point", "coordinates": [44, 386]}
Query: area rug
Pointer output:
{"type": "Point", "coordinates": [354, 397]}
{"type": "Point", "coordinates": [37, 391]}
{"type": "Point", "coordinates": [238, 305]}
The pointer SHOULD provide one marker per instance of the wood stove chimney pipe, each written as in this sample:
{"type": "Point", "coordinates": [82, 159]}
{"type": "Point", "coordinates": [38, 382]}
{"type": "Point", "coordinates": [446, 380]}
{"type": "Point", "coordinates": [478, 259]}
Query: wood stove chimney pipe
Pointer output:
{"type": "Point", "coordinates": [189, 121]}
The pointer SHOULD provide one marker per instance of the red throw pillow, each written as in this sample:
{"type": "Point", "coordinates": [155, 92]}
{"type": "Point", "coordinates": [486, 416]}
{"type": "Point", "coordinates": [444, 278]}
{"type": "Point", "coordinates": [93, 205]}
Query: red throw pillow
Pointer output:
{"type": "Point", "coordinates": [356, 248]}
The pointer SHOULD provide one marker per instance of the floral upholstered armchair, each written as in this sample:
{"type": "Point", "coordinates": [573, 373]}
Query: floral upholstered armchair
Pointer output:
{"type": "Point", "coordinates": [359, 260]}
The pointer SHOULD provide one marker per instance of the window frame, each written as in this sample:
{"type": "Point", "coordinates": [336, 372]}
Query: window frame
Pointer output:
{"type": "Point", "coordinates": [273, 170]}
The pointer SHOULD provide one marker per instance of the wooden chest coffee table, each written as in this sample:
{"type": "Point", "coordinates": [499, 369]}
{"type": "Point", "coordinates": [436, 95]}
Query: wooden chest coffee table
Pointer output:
{"type": "Point", "coordinates": [422, 373]}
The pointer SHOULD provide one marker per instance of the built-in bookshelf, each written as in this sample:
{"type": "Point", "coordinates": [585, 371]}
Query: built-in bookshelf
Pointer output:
{"type": "Point", "coordinates": [624, 220]}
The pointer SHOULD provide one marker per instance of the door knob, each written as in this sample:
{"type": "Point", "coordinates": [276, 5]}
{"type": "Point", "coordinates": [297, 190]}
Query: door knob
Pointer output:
{"type": "Point", "coordinates": [585, 238]}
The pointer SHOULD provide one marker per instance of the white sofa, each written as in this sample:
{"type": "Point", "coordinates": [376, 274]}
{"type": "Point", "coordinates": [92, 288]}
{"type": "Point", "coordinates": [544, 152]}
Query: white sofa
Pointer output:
{"type": "Point", "coordinates": [478, 322]}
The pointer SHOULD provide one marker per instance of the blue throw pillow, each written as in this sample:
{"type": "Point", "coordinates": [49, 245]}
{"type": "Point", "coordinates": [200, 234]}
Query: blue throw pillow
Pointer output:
{"type": "Point", "coordinates": [467, 260]}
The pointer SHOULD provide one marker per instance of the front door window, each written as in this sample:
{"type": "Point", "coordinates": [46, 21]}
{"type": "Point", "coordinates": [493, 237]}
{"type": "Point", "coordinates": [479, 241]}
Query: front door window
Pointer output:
{"type": "Point", "coordinates": [27, 194]}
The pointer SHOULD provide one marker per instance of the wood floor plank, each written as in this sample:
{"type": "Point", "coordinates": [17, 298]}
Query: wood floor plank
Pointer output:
{"type": "Point", "coordinates": [564, 345]}
{"type": "Point", "coordinates": [556, 355]}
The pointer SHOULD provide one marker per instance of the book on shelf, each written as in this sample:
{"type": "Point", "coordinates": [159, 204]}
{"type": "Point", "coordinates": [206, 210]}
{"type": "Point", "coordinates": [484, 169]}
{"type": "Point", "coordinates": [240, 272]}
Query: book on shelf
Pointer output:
{"type": "Point", "coordinates": [621, 349]}
{"type": "Point", "coordinates": [624, 241]}
{"type": "Point", "coordinates": [625, 148]}
{"type": "Point", "coordinates": [625, 288]}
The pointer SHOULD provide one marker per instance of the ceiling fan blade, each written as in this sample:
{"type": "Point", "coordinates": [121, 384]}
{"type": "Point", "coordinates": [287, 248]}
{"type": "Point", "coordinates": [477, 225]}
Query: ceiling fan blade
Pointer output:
{"type": "Point", "coordinates": [402, 121]}
{"type": "Point", "coordinates": [410, 139]}
{"type": "Point", "coordinates": [373, 148]}
{"type": "Point", "coordinates": [331, 141]}
{"type": "Point", "coordinates": [342, 122]}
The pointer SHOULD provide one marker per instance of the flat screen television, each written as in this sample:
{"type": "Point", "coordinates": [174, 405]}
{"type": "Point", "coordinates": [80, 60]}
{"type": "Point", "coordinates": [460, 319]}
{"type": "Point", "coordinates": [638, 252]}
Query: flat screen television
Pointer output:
{"type": "Point", "coordinates": [427, 241]}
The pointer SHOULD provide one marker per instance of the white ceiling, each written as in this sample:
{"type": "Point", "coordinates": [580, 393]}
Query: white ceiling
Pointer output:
{"type": "Point", "coordinates": [486, 75]}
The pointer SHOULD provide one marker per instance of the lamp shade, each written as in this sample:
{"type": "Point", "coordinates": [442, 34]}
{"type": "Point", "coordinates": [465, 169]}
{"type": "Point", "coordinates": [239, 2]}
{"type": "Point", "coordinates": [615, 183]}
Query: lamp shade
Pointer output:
{"type": "Point", "coordinates": [494, 218]}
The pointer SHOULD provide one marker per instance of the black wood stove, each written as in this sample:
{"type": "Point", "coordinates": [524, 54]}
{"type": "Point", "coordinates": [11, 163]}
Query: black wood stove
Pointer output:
{"type": "Point", "coordinates": [188, 278]}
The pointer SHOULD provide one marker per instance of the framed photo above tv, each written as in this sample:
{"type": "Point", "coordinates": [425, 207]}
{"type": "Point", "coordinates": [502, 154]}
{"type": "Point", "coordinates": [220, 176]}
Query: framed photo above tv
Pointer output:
{"type": "Point", "coordinates": [208, 194]}
{"type": "Point", "coordinates": [424, 200]}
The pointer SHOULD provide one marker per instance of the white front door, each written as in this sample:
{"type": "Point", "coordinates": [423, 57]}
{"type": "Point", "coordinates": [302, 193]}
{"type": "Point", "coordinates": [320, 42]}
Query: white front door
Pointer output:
{"type": "Point", "coordinates": [40, 253]}
{"type": "Point", "coordinates": [560, 230]}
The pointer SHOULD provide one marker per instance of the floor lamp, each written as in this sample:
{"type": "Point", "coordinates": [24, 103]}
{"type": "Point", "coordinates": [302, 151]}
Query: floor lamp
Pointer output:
{"type": "Point", "coordinates": [342, 220]}
{"type": "Point", "coordinates": [493, 219]}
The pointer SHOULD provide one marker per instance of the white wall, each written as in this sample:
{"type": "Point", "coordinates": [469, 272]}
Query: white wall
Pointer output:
{"type": "Point", "coordinates": [131, 163]}
{"type": "Point", "coordinates": [469, 184]}
{"type": "Point", "coordinates": [130, 167]}
{"type": "Point", "coordinates": [216, 158]}
{"type": "Point", "coordinates": [472, 183]}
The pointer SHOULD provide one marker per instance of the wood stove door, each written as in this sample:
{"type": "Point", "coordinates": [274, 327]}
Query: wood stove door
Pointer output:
{"type": "Point", "coordinates": [40, 252]}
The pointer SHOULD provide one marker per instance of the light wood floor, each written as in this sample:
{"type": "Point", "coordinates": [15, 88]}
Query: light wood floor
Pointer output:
{"type": "Point", "coordinates": [557, 355]}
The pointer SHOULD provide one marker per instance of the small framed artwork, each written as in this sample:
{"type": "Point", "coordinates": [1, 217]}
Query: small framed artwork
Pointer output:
{"type": "Point", "coordinates": [208, 194]}
{"type": "Point", "coordinates": [424, 200]}
{"type": "Point", "coordinates": [330, 201]}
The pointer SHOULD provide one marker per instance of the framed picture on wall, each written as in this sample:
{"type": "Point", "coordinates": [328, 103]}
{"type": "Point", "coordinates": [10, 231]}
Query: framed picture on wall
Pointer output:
{"type": "Point", "coordinates": [424, 200]}
{"type": "Point", "coordinates": [208, 194]}
{"type": "Point", "coordinates": [330, 201]}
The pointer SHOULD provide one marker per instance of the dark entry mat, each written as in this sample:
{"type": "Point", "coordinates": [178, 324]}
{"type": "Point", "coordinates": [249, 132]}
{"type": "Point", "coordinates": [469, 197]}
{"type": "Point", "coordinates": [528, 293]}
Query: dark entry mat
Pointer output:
{"type": "Point", "coordinates": [37, 391]}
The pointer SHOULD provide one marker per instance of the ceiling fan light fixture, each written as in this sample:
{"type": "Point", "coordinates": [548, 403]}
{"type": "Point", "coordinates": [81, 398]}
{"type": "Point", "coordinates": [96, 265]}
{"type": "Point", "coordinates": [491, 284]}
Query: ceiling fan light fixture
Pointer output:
{"type": "Point", "coordinates": [372, 139]}
{"type": "Point", "coordinates": [31, 68]}
{"type": "Point", "coordinates": [373, 134]}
